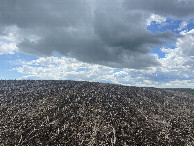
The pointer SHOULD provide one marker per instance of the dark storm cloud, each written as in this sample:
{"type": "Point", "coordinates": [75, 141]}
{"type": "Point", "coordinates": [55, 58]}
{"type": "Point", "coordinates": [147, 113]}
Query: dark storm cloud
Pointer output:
{"type": "Point", "coordinates": [168, 8]}
{"type": "Point", "coordinates": [110, 33]}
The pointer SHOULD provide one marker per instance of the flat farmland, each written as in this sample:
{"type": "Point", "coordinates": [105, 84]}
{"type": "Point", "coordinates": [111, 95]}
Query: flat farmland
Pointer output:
{"type": "Point", "coordinates": [49, 112]}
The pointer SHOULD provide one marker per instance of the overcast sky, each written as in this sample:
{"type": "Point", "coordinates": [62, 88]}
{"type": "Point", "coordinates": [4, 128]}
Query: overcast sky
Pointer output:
{"type": "Point", "coordinates": [131, 42]}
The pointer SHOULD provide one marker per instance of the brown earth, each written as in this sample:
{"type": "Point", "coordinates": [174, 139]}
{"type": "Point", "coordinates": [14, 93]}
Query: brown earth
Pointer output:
{"type": "Point", "coordinates": [87, 113]}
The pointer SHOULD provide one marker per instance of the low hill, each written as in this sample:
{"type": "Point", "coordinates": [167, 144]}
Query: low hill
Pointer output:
{"type": "Point", "coordinates": [86, 113]}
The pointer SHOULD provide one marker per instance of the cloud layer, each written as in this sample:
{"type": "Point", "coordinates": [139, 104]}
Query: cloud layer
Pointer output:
{"type": "Point", "coordinates": [110, 33]}
{"type": "Point", "coordinates": [176, 70]}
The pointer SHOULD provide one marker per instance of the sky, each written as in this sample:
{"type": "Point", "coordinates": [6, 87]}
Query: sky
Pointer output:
{"type": "Point", "coordinates": [129, 42]}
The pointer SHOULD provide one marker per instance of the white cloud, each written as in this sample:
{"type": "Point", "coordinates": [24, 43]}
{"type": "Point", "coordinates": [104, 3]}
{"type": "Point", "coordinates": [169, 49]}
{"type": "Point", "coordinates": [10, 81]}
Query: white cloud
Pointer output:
{"type": "Point", "coordinates": [7, 44]}
{"type": "Point", "coordinates": [62, 68]}
{"type": "Point", "coordinates": [177, 66]}
{"type": "Point", "coordinates": [157, 18]}
{"type": "Point", "coordinates": [182, 25]}
{"type": "Point", "coordinates": [7, 48]}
